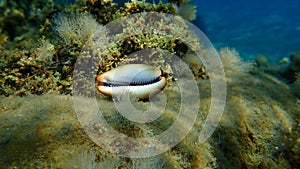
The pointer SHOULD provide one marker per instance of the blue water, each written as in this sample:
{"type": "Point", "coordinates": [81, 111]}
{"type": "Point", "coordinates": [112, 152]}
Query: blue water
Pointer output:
{"type": "Point", "coordinates": [269, 27]}
{"type": "Point", "coordinates": [252, 27]}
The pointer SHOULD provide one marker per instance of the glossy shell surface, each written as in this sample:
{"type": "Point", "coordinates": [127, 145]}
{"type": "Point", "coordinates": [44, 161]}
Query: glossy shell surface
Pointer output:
{"type": "Point", "coordinates": [139, 79]}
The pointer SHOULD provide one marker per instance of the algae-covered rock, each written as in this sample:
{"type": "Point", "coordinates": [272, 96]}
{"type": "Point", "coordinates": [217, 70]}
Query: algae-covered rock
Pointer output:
{"type": "Point", "coordinates": [295, 87]}
{"type": "Point", "coordinates": [54, 34]}
{"type": "Point", "coordinates": [286, 69]}
{"type": "Point", "coordinates": [259, 128]}
{"type": "Point", "coordinates": [261, 61]}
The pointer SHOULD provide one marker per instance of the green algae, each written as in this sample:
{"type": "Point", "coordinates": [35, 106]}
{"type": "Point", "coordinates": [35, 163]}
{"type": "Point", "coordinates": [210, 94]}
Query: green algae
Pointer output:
{"type": "Point", "coordinates": [259, 129]}
{"type": "Point", "coordinates": [45, 47]}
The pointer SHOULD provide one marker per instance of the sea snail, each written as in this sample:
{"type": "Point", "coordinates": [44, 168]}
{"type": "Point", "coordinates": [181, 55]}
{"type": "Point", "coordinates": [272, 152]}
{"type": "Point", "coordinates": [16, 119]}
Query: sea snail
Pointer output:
{"type": "Point", "coordinates": [139, 79]}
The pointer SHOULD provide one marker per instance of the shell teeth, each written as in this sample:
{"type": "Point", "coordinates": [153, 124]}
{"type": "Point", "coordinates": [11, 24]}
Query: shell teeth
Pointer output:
{"type": "Point", "coordinates": [137, 83]}
{"type": "Point", "coordinates": [144, 79]}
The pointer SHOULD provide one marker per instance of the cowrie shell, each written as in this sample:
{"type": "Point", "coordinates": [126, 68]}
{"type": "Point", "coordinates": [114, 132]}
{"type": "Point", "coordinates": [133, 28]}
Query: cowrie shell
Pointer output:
{"type": "Point", "coordinates": [140, 80]}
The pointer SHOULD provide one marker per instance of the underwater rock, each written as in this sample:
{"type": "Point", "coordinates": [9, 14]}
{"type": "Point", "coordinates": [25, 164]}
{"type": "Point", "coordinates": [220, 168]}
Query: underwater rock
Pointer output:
{"type": "Point", "coordinates": [261, 61]}
{"type": "Point", "coordinates": [291, 69]}
{"type": "Point", "coordinates": [295, 86]}
{"type": "Point", "coordinates": [286, 69]}
{"type": "Point", "coordinates": [295, 62]}
{"type": "Point", "coordinates": [258, 128]}
{"type": "Point", "coordinates": [62, 32]}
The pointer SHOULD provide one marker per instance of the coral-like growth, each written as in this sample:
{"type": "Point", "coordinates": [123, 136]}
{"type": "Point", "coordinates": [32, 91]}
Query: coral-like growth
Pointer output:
{"type": "Point", "coordinates": [75, 30]}
{"type": "Point", "coordinates": [45, 50]}
{"type": "Point", "coordinates": [186, 11]}
{"type": "Point", "coordinates": [232, 61]}
{"type": "Point", "coordinates": [138, 33]}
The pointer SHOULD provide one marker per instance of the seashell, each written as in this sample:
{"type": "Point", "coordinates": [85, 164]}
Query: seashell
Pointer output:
{"type": "Point", "coordinates": [139, 79]}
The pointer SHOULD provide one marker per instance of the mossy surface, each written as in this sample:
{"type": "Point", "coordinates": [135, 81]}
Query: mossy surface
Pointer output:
{"type": "Point", "coordinates": [259, 129]}
{"type": "Point", "coordinates": [38, 124]}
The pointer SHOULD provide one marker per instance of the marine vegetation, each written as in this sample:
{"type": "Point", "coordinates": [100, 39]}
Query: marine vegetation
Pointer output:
{"type": "Point", "coordinates": [295, 86]}
{"type": "Point", "coordinates": [53, 34]}
{"type": "Point", "coordinates": [256, 130]}
{"type": "Point", "coordinates": [232, 61]}
{"type": "Point", "coordinates": [286, 69]}
{"type": "Point", "coordinates": [38, 125]}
